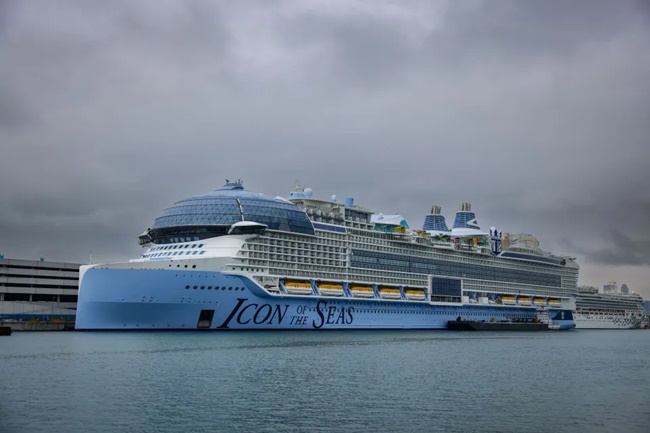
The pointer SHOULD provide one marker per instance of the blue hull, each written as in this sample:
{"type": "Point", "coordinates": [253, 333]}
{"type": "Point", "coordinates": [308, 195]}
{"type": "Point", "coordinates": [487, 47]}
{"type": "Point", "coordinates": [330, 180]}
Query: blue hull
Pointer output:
{"type": "Point", "coordinates": [112, 299]}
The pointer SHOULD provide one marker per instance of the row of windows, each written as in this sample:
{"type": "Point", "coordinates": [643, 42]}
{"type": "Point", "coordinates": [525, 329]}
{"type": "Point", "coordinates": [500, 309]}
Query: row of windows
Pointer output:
{"type": "Point", "coordinates": [177, 247]}
{"type": "Point", "coordinates": [386, 241]}
{"type": "Point", "coordinates": [38, 297]}
{"type": "Point", "coordinates": [72, 286]}
{"type": "Point", "coordinates": [177, 239]}
{"type": "Point", "coordinates": [40, 277]}
{"type": "Point", "coordinates": [331, 228]}
{"type": "Point", "coordinates": [215, 288]}
{"type": "Point", "coordinates": [174, 253]}
{"type": "Point", "coordinates": [477, 286]}
{"type": "Point", "coordinates": [42, 268]}
{"type": "Point", "coordinates": [377, 260]}
{"type": "Point", "coordinates": [550, 260]}
{"type": "Point", "coordinates": [607, 305]}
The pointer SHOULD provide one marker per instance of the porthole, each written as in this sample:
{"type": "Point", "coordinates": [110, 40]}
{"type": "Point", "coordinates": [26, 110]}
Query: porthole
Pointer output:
{"type": "Point", "coordinates": [193, 266]}
{"type": "Point", "coordinates": [229, 288]}
{"type": "Point", "coordinates": [202, 287]}
{"type": "Point", "coordinates": [187, 287]}
{"type": "Point", "coordinates": [209, 287]}
{"type": "Point", "coordinates": [195, 287]}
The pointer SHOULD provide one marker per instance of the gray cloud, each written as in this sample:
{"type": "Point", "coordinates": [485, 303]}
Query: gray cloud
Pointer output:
{"type": "Point", "coordinates": [536, 112]}
{"type": "Point", "coordinates": [624, 250]}
{"type": "Point", "coordinates": [13, 114]}
{"type": "Point", "coordinates": [520, 32]}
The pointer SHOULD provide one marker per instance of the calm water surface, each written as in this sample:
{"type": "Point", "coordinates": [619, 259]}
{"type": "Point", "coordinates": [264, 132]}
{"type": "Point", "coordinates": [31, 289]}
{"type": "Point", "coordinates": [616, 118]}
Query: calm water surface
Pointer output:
{"type": "Point", "coordinates": [366, 381]}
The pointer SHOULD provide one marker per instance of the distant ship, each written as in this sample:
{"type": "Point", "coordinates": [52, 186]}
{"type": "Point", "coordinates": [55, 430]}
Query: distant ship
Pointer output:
{"type": "Point", "coordinates": [608, 310]}
{"type": "Point", "coordinates": [234, 259]}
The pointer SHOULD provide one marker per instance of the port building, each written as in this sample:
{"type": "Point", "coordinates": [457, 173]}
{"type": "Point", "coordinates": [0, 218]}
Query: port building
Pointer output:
{"type": "Point", "coordinates": [38, 290]}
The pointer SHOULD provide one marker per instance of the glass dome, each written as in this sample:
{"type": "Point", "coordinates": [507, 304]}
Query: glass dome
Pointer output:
{"type": "Point", "coordinates": [210, 214]}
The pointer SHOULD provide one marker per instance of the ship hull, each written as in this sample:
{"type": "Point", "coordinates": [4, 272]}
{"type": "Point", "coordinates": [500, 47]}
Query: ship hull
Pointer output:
{"type": "Point", "coordinates": [155, 299]}
{"type": "Point", "coordinates": [594, 321]}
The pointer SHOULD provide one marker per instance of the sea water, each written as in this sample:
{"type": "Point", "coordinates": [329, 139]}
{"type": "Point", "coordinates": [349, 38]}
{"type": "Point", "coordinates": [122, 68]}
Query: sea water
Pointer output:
{"type": "Point", "coordinates": [336, 381]}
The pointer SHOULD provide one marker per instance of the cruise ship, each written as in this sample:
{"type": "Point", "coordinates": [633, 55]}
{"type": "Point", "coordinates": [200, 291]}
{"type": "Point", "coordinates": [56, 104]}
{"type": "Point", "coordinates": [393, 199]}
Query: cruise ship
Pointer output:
{"type": "Point", "coordinates": [596, 310]}
{"type": "Point", "coordinates": [234, 259]}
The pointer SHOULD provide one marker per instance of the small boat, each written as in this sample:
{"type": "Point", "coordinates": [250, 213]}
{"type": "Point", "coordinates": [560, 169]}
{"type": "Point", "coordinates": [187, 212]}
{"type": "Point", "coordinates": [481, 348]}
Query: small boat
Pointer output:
{"type": "Point", "coordinates": [554, 302]}
{"type": "Point", "coordinates": [362, 292]}
{"type": "Point", "coordinates": [390, 293]}
{"type": "Point", "coordinates": [298, 288]}
{"type": "Point", "coordinates": [415, 294]}
{"type": "Point", "coordinates": [539, 301]}
{"type": "Point", "coordinates": [524, 300]}
{"type": "Point", "coordinates": [508, 300]}
{"type": "Point", "coordinates": [330, 289]}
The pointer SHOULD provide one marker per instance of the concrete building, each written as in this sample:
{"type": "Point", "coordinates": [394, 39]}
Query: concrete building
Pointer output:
{"type": "Point", "coordinates": [624, 289]}
{"type": "Point", "coordinates": [37, 290]}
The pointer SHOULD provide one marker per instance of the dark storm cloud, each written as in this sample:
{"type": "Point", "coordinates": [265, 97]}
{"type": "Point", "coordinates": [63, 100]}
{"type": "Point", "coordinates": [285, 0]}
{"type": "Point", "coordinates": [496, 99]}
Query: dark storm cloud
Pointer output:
{"type": "Point", "coordinates": [536, 112]}
{"type": "Point", "coordinates": [623, 250]}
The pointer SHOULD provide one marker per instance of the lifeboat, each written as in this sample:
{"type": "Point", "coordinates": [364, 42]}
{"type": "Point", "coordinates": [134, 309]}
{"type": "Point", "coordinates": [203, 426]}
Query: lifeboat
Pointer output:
{"type": "Point", "coordinates": [539, 301]}
{"type": "Point", "coordinates": [508, 300]}
{"type": "Point", "coordinates": [554, 302]}
{"type": "Point", "coordinates": [389, 293]}
{"type": "Point", "coordinates": [362, 292]}
{"type": "Point", "coordinates": [415, 294]}
{"type": "Point", "coordinates": [330, 289]}
{"type": "Point", "coordinates": [298, 288]}
{"type": "Point", "coordinates": [524, 300]}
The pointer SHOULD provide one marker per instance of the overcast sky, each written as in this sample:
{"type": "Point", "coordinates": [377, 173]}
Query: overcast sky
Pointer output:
{"type": "Point", "coordinates": [538, 113]}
